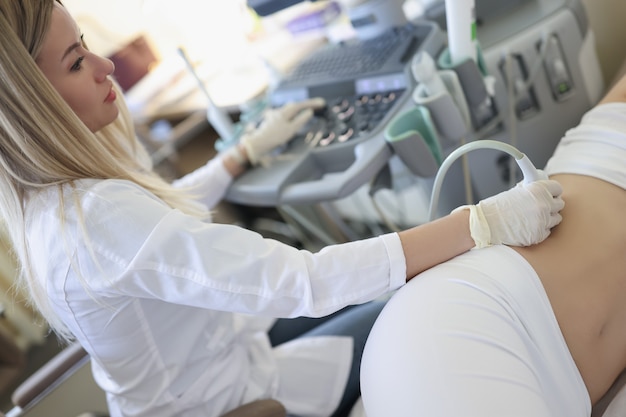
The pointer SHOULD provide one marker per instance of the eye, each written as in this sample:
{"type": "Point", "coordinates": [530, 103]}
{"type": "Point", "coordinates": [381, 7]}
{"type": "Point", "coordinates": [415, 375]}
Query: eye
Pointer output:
{"type": "Point", "coordinates": [77, 64]}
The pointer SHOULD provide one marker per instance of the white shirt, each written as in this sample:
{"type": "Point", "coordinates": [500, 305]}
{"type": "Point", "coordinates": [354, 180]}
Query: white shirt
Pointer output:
{"type": "Point", "coordinates": [596, 147]}
{"type": "Point", "coordinates": [174, 310]}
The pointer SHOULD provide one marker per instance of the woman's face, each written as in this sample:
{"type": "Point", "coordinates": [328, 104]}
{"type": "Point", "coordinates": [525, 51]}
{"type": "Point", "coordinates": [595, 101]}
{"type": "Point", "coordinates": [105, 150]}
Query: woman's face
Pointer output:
{"type": "Point", "coordinates": [81, 77]}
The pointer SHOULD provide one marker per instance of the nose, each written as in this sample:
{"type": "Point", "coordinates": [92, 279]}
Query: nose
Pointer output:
{"type": "Point", "coordinates": [104, 68]}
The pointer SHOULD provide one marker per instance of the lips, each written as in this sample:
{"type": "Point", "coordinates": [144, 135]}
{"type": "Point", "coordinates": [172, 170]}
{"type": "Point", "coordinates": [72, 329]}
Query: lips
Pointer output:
{"type": "Point", "coordinates": [111, 96]}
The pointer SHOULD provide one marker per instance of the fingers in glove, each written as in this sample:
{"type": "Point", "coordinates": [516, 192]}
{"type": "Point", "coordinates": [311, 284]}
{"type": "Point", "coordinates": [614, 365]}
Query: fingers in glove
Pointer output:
{"type": "Point", "coordinates": [301, 119]}
{"type": "Point", "coordinates": [292, 110]}
{"type": "Point", "coordinates": [553, 192]}
{"type": "Point", "coordinates": [557, 204]}
{"type": "Point", "coordinates": [555, 218]}
{"type": "Point", "coordinates": [552, 186]}
{"type": "Point", "coordinates": [313, 103]}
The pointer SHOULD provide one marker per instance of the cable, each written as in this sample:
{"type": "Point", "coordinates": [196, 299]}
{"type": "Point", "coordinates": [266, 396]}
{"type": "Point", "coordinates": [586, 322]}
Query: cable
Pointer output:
{"type": "Point", "coordinates": [510, 86]}
{"type": "Point", "coordinates": [478, 141]}
{"type": "Point", "coordinates": [467, 182]}
{"type": "Point", "coordinates": [218, 118]}
{"type": "Point", "coordinates": [528, 169]}
{"type": "Point", "coordinates": [512, 94]}
{"type": "Point", "coordinates": [382, 180]}
{"type": "Point", "coordinates": [386, 220]}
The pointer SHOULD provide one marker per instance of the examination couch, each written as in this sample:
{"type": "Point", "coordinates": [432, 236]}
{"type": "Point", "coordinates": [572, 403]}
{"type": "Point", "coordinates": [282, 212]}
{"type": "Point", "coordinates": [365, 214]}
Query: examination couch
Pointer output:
{"type": "Point", "coordinates": [49, 379]}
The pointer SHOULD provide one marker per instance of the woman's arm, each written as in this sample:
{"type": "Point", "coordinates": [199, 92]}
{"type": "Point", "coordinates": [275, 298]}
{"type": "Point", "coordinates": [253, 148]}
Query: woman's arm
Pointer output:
{"type": "Point", "coordinates": [521, 216]}
{"type": "Point", "coordinates": [432, 243]}
{"type": "Point", "coordinates": [277, 128]}
{"type": "Point", "coordinates": [236, 160]}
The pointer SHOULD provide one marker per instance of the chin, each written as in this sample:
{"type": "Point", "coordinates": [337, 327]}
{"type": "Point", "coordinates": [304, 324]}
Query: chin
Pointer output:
{"type": "Point", "coordinates": [96, 127]}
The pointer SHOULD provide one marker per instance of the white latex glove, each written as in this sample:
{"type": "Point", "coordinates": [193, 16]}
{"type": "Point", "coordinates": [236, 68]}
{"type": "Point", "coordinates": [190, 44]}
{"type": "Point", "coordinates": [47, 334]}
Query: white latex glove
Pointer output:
{"type": "Point", "coordinates": [278, 127]}
{"type": "Point", "coordinates": [521, 216]}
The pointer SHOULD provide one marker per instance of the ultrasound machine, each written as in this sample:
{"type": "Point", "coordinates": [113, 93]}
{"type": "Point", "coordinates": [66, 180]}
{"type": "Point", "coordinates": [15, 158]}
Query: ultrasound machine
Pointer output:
{"type": "Point", "coordinates": [538, 73]}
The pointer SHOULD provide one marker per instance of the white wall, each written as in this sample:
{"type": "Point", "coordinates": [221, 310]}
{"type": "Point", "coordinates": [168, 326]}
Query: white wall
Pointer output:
{"type": "Point", "coordinates": [607, 19]}
{"type": "Point", "coordinates": [207, 28]}
{"type": "Point", "coordinates": [215, 27]}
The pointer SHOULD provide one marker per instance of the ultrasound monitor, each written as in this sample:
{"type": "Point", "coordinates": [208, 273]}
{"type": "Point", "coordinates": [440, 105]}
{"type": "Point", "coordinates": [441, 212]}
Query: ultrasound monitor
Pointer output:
{"type": "Point", "coordinates": [369, 18]}
{"type": "Point", "coordinates": [267, 7]}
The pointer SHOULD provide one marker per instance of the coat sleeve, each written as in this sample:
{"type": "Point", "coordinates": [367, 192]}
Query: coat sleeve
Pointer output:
{"type": "Point", "coordinates": [210, 182]}
{"type": "Point", "coordinates": [149, 250]}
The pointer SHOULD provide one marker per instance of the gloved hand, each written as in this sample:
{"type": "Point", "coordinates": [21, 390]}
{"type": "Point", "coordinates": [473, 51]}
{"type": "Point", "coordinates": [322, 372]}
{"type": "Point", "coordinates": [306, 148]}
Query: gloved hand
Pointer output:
{"type": "Point", "coordinates": [521, 216]}
{"type": "Point", "coordinates": [278, 127]}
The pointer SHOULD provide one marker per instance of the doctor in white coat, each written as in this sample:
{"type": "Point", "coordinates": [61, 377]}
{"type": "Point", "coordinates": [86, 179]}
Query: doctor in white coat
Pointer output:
{"type": "Point", "coordinates": [178, 313]}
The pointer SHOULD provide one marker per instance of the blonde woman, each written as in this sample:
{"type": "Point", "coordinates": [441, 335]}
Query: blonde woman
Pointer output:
{"type": "Point", "coordinates": [173, 309]}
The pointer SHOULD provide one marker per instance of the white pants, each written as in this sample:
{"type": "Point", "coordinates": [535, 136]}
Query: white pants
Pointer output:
{"type": "Point", "coordinates": [473, 337]}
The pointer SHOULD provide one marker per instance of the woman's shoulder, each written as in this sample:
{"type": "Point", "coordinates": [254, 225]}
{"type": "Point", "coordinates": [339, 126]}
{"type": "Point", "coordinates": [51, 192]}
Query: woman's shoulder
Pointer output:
{"type": "Point", "coordinates": [110, 188]}
{"type": "Point", "coordinates": [110, 201]}
{"type": "Point", "coordinates": [88, 188]}
{"type": "Point", "coordinates": [119, 200]}
{"type": "Point", "coordinates": [112, 213]}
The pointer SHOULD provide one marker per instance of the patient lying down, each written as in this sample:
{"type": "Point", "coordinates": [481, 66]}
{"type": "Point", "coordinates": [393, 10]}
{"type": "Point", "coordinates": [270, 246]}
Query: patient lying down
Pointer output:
{"type": "Point", "coordinates": [535, 331]}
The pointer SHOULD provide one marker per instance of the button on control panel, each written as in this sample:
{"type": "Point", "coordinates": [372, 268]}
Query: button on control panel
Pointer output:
{"type": "Point", "coordinates": [346, 118]}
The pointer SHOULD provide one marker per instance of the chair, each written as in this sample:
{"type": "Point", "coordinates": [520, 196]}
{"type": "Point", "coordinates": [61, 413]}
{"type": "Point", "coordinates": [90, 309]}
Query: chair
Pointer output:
{"type": "Point", "coordinates": [65, 377]}
{"type": "Point", "coordinates": [12, 361]}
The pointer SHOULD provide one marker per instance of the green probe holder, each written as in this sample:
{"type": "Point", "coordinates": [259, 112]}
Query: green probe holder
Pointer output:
{"type": "Point", "coordinates": [448, 110]}
{"type": "Point", "coordinates": [414, 139]}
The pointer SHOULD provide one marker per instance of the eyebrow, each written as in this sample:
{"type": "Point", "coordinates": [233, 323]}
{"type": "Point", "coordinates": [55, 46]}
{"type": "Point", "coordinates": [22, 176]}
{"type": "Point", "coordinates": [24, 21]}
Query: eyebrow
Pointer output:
{"type": "Point", "coordinates": [72, 47]}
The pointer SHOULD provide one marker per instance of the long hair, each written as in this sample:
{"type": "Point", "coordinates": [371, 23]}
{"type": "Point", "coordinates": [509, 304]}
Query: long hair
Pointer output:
{"type": "Point", "coordinates": [43, 143]}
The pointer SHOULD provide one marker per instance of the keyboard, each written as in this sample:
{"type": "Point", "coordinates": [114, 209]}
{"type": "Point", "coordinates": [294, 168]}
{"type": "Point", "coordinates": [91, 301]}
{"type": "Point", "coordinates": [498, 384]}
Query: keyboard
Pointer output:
{"type": "Point", "coordinates": [333, 70]}
{"type": "Point", "coordinates": [353, 58]}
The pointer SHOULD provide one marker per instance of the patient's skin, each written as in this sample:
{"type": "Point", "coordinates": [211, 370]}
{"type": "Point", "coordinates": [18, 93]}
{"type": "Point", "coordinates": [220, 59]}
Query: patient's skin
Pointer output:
{"type": "Point", "coordinates": [583, 268]}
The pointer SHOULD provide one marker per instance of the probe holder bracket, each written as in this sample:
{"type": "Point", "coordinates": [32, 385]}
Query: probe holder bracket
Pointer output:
{"type": "Point", "coordinates": [448, 110]}
{"type": "Point", "coordinates": [413, 138]}
{"type": "Point", "coordinates": [472, 76]}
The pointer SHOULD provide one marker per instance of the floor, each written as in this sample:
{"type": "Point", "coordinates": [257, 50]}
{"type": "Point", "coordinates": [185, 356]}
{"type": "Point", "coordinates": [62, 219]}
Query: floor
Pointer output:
{"type": "Point", "coordinates": [37, 356]}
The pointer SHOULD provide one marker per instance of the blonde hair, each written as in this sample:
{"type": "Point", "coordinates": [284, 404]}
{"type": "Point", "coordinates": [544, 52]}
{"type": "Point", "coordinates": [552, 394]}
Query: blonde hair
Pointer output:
{"type": "Point", "coordinates": [43, 143]}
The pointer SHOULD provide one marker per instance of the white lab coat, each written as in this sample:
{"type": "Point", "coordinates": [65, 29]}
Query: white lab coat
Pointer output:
{"type": "Point", "coordinates": [174, 312]}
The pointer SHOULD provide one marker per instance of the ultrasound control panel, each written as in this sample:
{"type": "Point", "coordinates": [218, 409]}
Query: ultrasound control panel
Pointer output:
{"type": "Point", "coordinates": [343, 146]}
{"type": "Point", "coordinates": [346, 118]}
